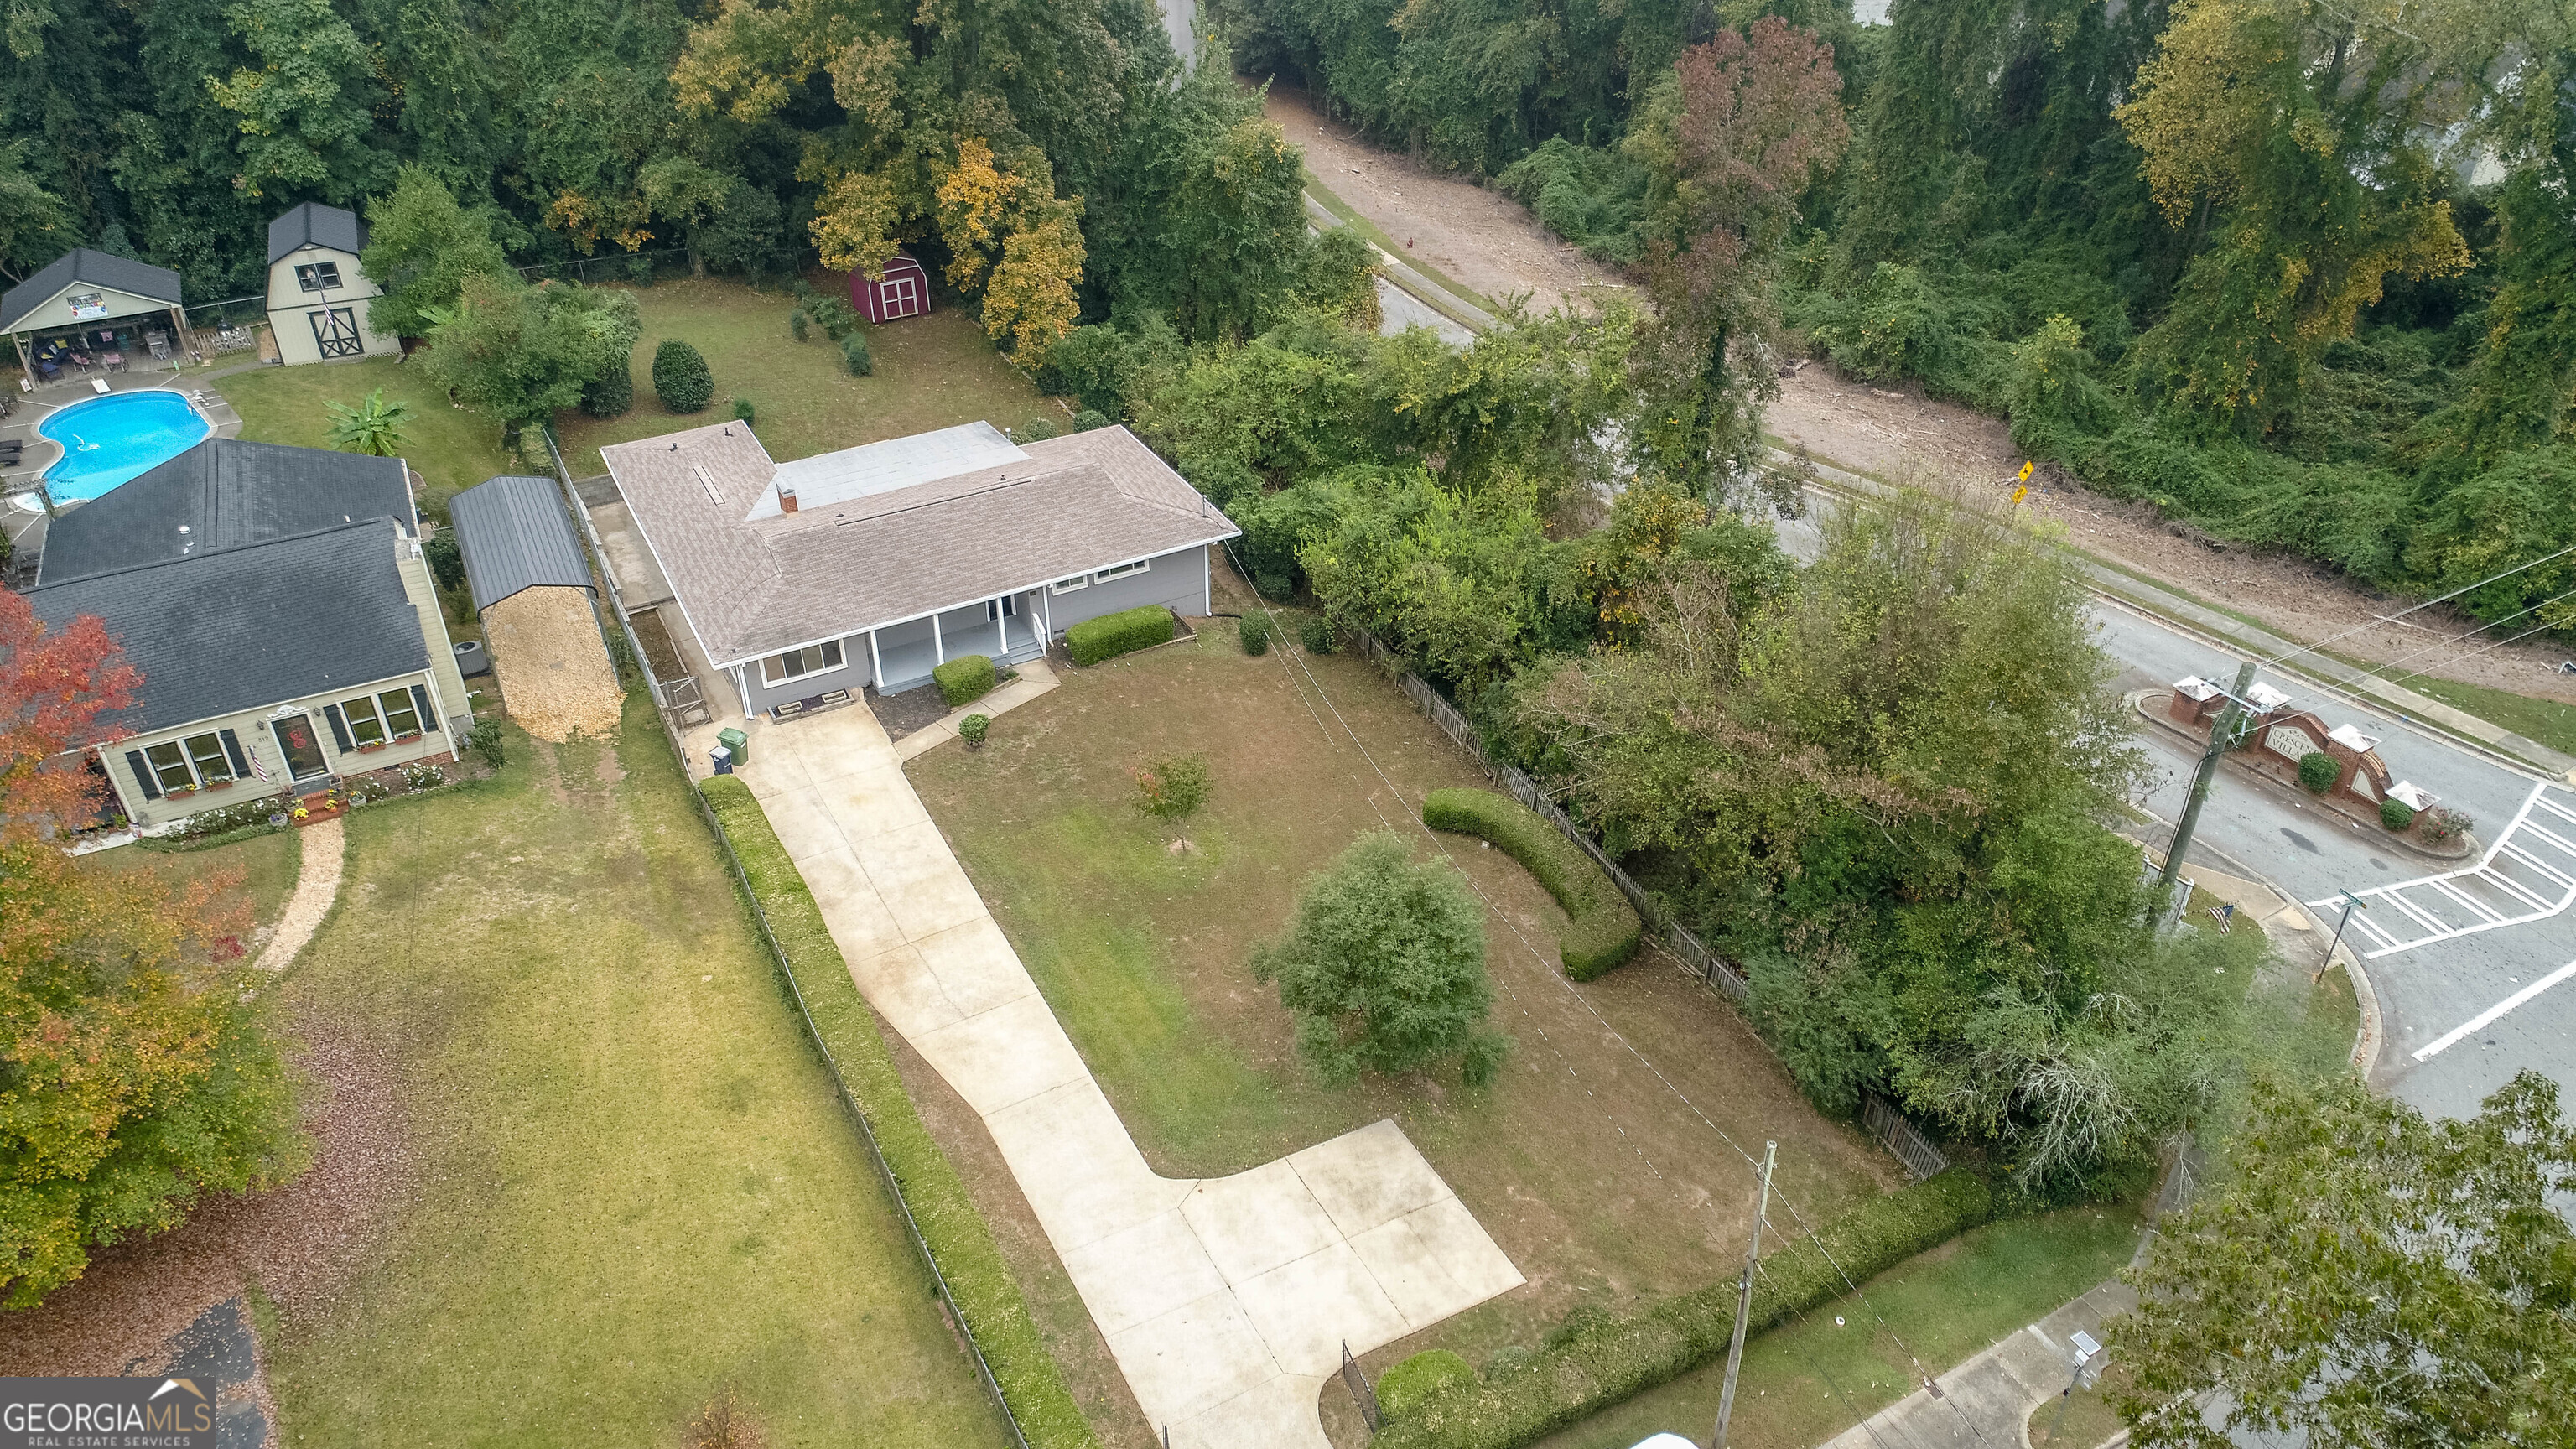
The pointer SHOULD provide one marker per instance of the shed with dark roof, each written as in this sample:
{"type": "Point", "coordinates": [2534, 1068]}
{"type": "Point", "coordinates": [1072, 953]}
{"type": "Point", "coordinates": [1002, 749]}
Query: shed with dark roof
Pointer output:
{"type": "Point", "coordinates": [318, 294]}
{"type": "Point", "coordinates": [314, 224]}
{"type": "Point", "coordinates": [513, 534]}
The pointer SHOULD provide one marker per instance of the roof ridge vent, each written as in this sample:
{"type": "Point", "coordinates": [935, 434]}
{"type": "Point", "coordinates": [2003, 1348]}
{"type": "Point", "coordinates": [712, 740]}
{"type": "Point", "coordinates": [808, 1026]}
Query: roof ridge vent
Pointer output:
{"type": "Point", "coordinates": [715, 495]}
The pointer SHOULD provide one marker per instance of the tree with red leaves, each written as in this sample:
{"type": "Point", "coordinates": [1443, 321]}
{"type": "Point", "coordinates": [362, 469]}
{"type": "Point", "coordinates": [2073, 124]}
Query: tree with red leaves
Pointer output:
{"type": "Point", "coordinates": [135, 1075]}
{"type": "Point", "coordinates": [1738, 131]}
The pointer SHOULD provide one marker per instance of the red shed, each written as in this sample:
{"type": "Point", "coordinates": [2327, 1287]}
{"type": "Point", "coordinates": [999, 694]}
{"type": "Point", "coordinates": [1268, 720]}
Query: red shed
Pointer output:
{"type": "Point", "coordinates": [905, 292]}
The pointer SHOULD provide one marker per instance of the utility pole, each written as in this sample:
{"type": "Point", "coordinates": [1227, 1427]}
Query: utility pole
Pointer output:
{"type": "Point", "coordinates": [2221, 735]}
{"type": "Point", "coordinates": [1744, 1301]}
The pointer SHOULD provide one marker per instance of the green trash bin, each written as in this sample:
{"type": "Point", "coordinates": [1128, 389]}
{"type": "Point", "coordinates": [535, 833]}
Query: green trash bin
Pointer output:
{"type": "Point", "coordinates": [738, 743]}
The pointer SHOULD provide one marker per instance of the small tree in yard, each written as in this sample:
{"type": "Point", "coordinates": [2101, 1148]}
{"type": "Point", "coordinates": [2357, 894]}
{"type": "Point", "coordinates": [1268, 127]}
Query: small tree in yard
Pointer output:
{"type": "Point", "coordinates": [2366, 1277]}
{"type": "Point", "coordinates": [1172, 789]}
{"type": "Point", "coordinates": [680, 377]}
{"type": "Point", "coordinates": [374, 427]}
{"type": "Point", "coordinates": [138, 1079]}
{"type": "Point", "coordinates": [1385, 967]}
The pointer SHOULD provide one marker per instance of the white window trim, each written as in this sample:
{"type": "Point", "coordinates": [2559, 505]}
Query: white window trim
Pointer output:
{"type": "Point", "coordinates": [1072, 585]}
{"type": "Point", "coordinates": [1123, 570]}
{"type": "Point", "coordinates": [840, 660]}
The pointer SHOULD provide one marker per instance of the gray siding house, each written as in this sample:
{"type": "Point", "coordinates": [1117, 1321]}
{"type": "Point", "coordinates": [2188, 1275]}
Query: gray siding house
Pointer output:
{"type": "Point", "coordinates": [283, 619]}
{"type": "Point", "coordinates": [806, 582]}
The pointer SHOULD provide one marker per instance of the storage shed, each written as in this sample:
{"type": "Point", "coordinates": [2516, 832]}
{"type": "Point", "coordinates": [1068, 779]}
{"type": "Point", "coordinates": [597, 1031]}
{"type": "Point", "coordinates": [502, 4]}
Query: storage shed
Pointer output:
{"type": "Point", "coordinates": [532, 590]}
{"type": "Point", "coordinates": [904, 291]}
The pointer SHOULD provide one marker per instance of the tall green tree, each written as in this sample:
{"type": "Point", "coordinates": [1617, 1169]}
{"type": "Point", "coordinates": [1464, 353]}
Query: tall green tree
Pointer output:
{"type": "Point", "coordinates": [35, 225]}
{"type": "Point", "coordinates": [2361, 1276]}
{"type": "Point", "coordinates": [521, 354]}
{"type": "Point", "coordinates": [422, 248]}
{"type": "Point", "coordinates": [304, 107]}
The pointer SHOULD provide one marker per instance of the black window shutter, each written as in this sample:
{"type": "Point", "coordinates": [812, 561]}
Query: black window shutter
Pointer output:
{"type": "Point", "coordinates": [143, 774]}
{"type": "Point", "coordinates": [233, 752]}
{"type": "Point", "coordinates": [420, 701]}
{"type": "Point", "coordinates": [339, 728]}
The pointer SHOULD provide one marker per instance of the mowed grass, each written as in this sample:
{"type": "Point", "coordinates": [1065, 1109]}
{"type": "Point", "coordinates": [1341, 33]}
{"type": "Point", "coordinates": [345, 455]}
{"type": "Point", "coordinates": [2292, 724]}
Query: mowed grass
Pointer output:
{"type": "Point", "coordinates": [1813, 1378]}
{"type": "Point", "coordinates": [2544, 721]}
{"type": "Point", "coordinates": [630, 1187]}
{"type": "Point", "coordinates": [931, 372]}
{"type": "Point", "coordinates": [450, 448]}
{"type": "Point", "coordinates": [1599, 1183]}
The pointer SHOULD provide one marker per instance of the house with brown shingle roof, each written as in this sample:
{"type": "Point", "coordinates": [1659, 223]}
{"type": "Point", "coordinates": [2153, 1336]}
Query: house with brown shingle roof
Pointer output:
{"type": "Point", "coordinates": [814, 579]}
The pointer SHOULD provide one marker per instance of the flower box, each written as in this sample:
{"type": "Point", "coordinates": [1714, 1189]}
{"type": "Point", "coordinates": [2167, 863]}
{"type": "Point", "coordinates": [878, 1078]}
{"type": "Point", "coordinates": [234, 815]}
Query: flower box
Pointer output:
{"type": "Point", "coordinates": [216, 785]}
{"type": "Point", "coordinates": [407, 739]}
{"type": "Point", "coordinates": [371, 749]}
{"type": "Point", "coordinates": [182, 793]}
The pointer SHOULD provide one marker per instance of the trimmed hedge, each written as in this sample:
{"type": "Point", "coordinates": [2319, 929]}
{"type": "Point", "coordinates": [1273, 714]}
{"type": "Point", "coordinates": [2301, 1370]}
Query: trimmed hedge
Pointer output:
{"type": "Point", "coordinates": [1609, 1360]}
{"type": "Point", "coordinates": [2396, 814]}
{"type": "Point", "coordinates": [966, 678]}
{"type": "Point", "coordinates": [1407, 1384]}
{"type": "Point", "coordinates": [680, 377]}
{"type": "Point", "coordinates": [987, 1297]}
{"type": "Point", "coordinates": [1605, 929]}
{"type": "Point", "coordinates": [610, 394]}
{"type": "Point", "coordinates": [1111, 635]}
{"type": "Point", "coordinates": [2318, 771]}
{"type": "Point", "coordinates": [1254, 631]}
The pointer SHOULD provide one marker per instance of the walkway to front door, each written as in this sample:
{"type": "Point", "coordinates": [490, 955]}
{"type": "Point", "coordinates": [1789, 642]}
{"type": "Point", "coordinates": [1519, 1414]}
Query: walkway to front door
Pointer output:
{"type": "Point", "coordinates": [1226, 1300]}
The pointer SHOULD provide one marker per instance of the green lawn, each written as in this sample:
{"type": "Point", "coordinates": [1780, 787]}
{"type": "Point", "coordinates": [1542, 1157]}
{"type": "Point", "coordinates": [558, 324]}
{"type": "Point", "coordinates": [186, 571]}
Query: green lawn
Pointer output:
{"type": "Point", "coordinates": [264, 865]}
{"type": "Point", "coordinates": [2545, 721]}
{"type": "Point", "coordinates": [1808, 1381]}
{"type": "Point", "coordinates": [1599, 1185]}
{"type": "Point", "coordinates": [449, 447]}
{"type": "Point", "coordinates": [931, 372]}
{"type": "Point", "coordinates": [630, 1186]}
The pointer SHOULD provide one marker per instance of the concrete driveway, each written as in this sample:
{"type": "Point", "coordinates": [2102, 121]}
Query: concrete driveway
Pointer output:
{"type": "Point", "coordinates": [1224, 1300]}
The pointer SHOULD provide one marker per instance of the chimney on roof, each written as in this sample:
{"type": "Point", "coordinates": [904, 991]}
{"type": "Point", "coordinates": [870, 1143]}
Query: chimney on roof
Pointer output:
{"type": "Point", "coordinates": [787, 498]}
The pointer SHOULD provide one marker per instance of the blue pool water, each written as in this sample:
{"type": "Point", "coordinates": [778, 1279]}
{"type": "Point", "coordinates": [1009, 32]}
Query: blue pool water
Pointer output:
{"type": "Point", "coordinates": [108, 440]}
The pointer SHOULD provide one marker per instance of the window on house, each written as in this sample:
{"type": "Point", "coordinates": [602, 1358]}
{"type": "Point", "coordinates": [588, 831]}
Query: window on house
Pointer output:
{"type": "Point", "coordinates": [366, 726]}
{"type": "Point", "coordinates": [796, 663]}
{"type": "Point", "coordinates": [316, 276]}
{"type": "Point", "coordinates": [1006, 607]}
{"type": "Point", "coordinates": [401, 716]}
{"type": "Point", "coordinates": [169, 764]}
{"type": "Point", "coordinates": [1067, 586]}
{"type": "Point", "coordinates": [206, 753]}
{"type": "Point", "coordinates": [1120, 572]}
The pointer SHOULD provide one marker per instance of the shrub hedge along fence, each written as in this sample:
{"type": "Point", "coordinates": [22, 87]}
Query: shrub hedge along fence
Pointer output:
{"type": "Point", "coordinates": [986, 1295]}
{"type": "Point", "coordinates": [1605, 928]}
{"type": "Point", "coordinates": [1604, 1362]}
{"type": "Point", "coordinates": [965, 678]}
{"type": "Point", "coordinates": [1111, 635]}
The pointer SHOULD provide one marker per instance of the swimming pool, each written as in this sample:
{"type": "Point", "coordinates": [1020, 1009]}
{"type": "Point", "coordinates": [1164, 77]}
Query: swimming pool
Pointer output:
{"type": "Point", "coordinates": [110, 439]}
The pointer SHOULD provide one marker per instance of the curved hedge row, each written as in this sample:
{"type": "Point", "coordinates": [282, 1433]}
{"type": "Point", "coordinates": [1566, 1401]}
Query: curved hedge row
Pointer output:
{"type": "Point", "coordinates": [1606, 1362]}
{"type": "Point", "coordinates": [987, 1296]}
{"type": "Point", "coordinates": [1110, 635]}
{"type": "Point", "coordinates": [1605, 928]}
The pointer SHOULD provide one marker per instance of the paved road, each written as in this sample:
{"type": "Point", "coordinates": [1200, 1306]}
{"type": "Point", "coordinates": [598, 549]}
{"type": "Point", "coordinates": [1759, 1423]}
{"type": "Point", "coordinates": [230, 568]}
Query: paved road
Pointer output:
{"type": "Point", "coordinates": [2253, 827]}
{"type": "Point", "coordinates": [1178, 16]}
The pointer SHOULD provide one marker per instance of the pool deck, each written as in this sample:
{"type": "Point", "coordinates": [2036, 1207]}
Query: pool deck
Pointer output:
{"type": "Point", "coordinates": [26, 530]}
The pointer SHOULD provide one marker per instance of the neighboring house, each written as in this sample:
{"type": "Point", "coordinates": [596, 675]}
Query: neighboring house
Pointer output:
{"type": "Point", "coordinates": [284, 621]}
{"type": "Point", "coordinates": [808, 581]}
{"type": "Point", "coordinates": [317, 297]}
{"type": "Point", "coordinates": [532, 590]}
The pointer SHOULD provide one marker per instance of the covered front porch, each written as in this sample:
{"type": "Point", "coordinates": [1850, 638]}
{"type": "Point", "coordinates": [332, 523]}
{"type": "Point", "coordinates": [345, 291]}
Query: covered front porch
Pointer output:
{"type": "Point", "coordinates": [1007, 629]}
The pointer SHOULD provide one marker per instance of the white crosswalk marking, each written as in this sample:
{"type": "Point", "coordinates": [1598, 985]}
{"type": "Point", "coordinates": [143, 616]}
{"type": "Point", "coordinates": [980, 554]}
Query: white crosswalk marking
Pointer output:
{"type": "Point", "coordinates": [2529, 874]}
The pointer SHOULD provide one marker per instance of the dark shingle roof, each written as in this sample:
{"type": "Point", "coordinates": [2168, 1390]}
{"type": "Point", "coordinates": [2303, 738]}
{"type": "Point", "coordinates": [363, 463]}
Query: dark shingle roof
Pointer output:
{"type": "Point", "coordinates": [513, 534]}
{"type": "Point", "coordinates": [252, 626]}
{"type": "Point", "coordinates": [226, 493]}
{"type": "Point", "coordinates": [316, 225]}
{"type": "Point", "coordinates": [102, 269]}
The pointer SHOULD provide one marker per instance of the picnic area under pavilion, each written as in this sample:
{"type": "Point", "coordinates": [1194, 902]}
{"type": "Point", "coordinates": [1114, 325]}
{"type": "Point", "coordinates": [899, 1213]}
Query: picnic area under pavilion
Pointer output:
{"type": "Point", "coordinates": [94, 312]}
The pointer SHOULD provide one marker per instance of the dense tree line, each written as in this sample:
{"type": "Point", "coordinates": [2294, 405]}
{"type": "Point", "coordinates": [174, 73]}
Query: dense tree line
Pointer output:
{"type": "Point", "coordinates": [1048, 161]}
{"type": "Point", "coordinates": [2303, 273]}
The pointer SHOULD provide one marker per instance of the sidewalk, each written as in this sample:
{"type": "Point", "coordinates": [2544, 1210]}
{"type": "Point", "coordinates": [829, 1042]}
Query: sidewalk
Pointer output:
{"type": "Point", "coordinates": [1225, 1301]}
{"type": "Point", "coordinates": [1986, 1401]}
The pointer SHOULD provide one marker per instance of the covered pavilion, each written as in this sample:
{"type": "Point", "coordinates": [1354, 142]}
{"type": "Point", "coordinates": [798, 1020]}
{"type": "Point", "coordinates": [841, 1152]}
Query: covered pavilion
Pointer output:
{"type": "Point", "coordinates": [91, 311]}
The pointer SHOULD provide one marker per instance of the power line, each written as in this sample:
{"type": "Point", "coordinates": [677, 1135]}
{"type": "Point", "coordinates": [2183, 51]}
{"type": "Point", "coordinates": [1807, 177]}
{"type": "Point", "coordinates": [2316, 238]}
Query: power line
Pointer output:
{"type": "Point", "coordinates": [1580, 999]}
{"type": "Point", "coordinates": [2466, 633]}
{"type": "Point", "coordinates": [2428, 603]}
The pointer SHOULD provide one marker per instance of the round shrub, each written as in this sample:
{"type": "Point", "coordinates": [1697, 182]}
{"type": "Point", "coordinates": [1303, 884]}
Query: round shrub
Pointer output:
{"type": "Point", "coordinates": [2442, 824]}
{"type": "Point", "coordinates": [973, 728]}
{"type": "Point", "coordinates": [680, 377]}
{"type": "Point", "coordinates": [609, 395]}
{"type": "Point", "coordinates": [1408, 1383]}
{"type": "Point", "coordinates": [2318, 771]}
{"type": "Point", "coordinates": [797, 324]}
{"type": "Point", "coordinates": [743, 410]}
{"type": "Point", "coordinates": [1318, 636]}
{"type": "Point", "coordinates": [854, 355]}
{"type": "Point", "coordinates": [1254, 630]}
{"type": "Point", "coordinates": [1089, 418]}
{"type": "Point", "coordinates": [2396, 814]}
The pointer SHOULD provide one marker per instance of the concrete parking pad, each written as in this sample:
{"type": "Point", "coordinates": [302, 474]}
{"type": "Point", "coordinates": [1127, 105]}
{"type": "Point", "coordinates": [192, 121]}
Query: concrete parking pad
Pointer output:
{"type": "Point", "coordinates": [1225, 1301]}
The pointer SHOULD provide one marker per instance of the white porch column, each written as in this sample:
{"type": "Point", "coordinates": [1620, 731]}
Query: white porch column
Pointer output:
{"type": "Point", "coordinates": [742, 691]}
{"type": "Point", "coordinates": [938, 650]}
{"type": "Point", "coordinates": [876, 663]}
{"type": "Point", "coordinates": [1002, 621]}
{"type": "Point", "coordinates": [1046, 611]}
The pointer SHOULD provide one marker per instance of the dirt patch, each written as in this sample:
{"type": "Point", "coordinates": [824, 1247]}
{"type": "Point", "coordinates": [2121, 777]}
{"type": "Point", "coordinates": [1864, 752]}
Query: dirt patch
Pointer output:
{"type": "Point", "coordinates": [299, 1245]}
{"type": "Point", "coordinates": [1887, 431]}
{"type": "Point", "coordinates": [908, 711]}
{"type": "Point", "coordinates": [553, 670]}
{"type": "Point", "coordinates": [1478, 238]}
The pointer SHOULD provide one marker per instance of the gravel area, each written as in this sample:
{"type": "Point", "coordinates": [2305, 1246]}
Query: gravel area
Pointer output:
{"type": "Point", "coordinates": [317, 886]}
